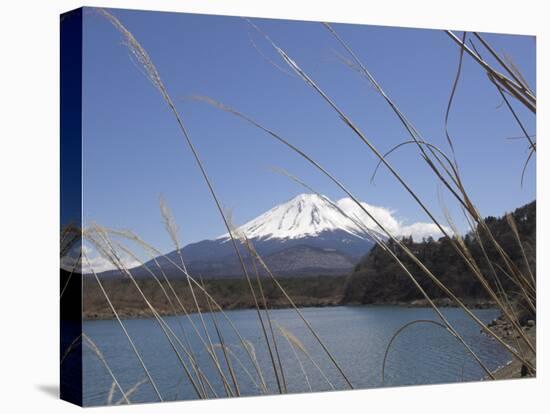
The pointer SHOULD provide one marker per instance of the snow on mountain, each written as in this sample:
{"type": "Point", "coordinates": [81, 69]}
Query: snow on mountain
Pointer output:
{"type": "Point", "coordinates": [306, 215]}
{"type": "Point", "coordinates": [309, 215]}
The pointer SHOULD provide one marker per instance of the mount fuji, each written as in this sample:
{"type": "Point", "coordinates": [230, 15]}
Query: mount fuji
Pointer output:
{"type": "Point", "coordinates": [307, 235]}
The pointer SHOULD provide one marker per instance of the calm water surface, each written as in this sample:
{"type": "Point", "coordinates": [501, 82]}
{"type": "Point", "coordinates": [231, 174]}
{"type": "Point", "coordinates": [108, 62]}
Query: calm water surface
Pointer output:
{"type": "Point", "coordinates": [356, 336]}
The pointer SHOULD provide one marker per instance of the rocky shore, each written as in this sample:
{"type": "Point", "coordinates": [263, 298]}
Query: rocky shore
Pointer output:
{"type": "Point", "coordinates": [515, 368]}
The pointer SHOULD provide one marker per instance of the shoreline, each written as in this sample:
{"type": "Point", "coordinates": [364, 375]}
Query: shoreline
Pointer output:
{"type": "Point", "coordinates": [132, 313]}
{"type": "Point", "coordinates": [514, 369]}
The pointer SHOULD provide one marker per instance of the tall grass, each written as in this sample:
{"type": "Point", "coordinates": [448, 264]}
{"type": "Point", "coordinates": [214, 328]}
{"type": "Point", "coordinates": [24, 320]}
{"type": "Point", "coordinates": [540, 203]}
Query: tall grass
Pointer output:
{"type": "Point", "coordinates": [445, 170]}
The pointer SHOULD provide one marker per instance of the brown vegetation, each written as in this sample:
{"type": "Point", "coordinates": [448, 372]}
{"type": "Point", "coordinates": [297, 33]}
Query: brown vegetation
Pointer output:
{"type": "Point", "coordinates": [231, 293]}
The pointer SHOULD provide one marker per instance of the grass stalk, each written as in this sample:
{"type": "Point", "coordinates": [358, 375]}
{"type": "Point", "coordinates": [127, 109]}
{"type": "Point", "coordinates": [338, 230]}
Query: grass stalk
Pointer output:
{"type": "Point", "coordinates": [128, 337]}
{"type": "Point", "coordinates": [223, 347]}
{"type": "Point", "coordinates": [295, 343]}
{"type": "Point", "coordinates": [132, 236]}
{"type": "Point", "coordinates": [152, 72]}
{"type": "Point", "coordinates": [97, 352]}
{"type": "Point", "coordinates": [340, 185]}
{"type": "Point", "coordinates": [105, 247]}
{"type": "Point", "coordinates": [398, 332]}
{"type": "Point", "coordinates": [466, 202]}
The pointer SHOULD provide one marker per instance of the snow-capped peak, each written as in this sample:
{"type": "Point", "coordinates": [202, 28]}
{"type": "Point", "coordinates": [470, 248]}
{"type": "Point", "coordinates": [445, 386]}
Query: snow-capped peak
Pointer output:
{"type": "Point", "coordinates": [308, 215]}
{"type": "Point", "coordinates": [305, 215]}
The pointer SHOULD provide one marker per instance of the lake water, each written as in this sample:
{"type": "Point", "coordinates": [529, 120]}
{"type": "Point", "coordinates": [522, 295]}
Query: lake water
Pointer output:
{"type": "Point", "coordinates": [356, 336]}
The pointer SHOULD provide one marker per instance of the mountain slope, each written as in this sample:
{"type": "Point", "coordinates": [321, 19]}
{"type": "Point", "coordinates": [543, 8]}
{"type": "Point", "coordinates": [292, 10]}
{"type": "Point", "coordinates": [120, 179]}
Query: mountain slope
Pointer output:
{"type": "Point", "coordinates": [306, 235]}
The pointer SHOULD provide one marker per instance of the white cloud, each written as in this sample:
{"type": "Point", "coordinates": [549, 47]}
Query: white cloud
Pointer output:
{"type": "Point", "coordinates": [387, 219]}
{"type": "Point", "coordinates": [418, 231]}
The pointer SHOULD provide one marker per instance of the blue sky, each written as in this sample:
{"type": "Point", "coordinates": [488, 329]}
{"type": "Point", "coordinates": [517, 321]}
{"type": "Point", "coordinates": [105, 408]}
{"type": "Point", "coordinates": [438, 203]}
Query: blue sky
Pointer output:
{"type": "Point", "coordinates": [133, 150]}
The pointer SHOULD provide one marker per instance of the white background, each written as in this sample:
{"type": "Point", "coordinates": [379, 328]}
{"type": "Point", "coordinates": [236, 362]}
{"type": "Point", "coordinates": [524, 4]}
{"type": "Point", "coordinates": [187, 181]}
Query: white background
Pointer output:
{"type": "Point", "coordinates": [29, 206]}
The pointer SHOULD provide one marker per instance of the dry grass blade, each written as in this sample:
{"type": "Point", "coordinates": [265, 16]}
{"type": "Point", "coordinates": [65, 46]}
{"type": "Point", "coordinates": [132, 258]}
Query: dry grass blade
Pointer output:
{"type": "Point", "coordinates": [132, 236]}
{"type": "Point", "coordinates": [300, 314]}
{"type": "Point", "coordinates": [295, 343]}
{"type": "Point", "coordinates": [154, 255]}
{"type": "Point", "coordinates": [254, 254]}
{"type": "Point", "coordinates": [514, 227]}
{"type": "Point", "coordinates": [514, 73]}
{"type": "Point", "coordinates": [340, 185]}
{"type": "Point", "coordinates": [99, 238]}
{"type": "Point", "coordinates": [380, 242]}
{"type": "Point", "coordinates": [72, 346]}
{"type": "Point", "coordinates": [517, 90]}
{"type": "Point", "coordinates": [128, 337]}
{"type": "Point", "coordinates": [138, 52]}
{"type": "Point", "coordinates": [514, 68]}
{"type": "Point", "coordinates": [188, 349]}
{"type": "Point", "coordinates": [155, 78]}
{"type": "Point", "coordinates": [524, 169]}
{"type": "Point", "coordinates": [70, 235]}
{"type": "Point", "coordinates": [241, 236]}
{"type": "Point", "coordinates": [527, 136]}
{"type": "Point", "coordinates": [251, 349]}
{"type": "Point", "coordinates": [131, 391]}
{"type": "Point", "coordinates": [500, 289]}
{"type": "Point", "coordinates": [302, 368]}
{"type": "Point", "coordinates": [223, 347]}
{"type": "Point", "coordinates": [464, 200]}
{"type": "Point", "coordinates": [238, 235]}
{"type": "Point", "coordinates": [112, 393]}
{"type": "Point", "coordinates": [268, 59]}
{"type": "Point", "coordinates": [409, 127]}
{"type": "Point", "coordinates": [172, 229]}
{"type": "Point", "coordinates": [106, 247]}
{"type": "Point", "coordinates": [242, 366]}
{"type": "Point", "coordinates": [453, 90]}
{"type": "Point", "coordinates": [430, 154]}
{"type": "Point", "coordinates": [77, 264]}
{"type": "Point", "coordinates": [95, 349]}
{"type": "Point", "coordinates": [399, 331]}
{"type": "Point", "coordinates": [409, 142]}
{"type": "Point", "coordinates": [169, 222]}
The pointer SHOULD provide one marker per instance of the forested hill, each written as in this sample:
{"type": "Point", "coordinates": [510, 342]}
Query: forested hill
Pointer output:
{"type": "Point", "coordinates": [379, 279]}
